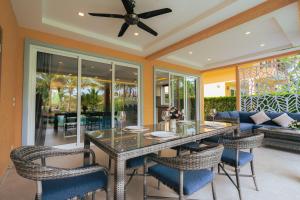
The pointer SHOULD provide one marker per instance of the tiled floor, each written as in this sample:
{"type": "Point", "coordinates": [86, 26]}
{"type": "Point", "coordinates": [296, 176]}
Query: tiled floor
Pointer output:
{"type": "Point", "coordinates": [278, 175]}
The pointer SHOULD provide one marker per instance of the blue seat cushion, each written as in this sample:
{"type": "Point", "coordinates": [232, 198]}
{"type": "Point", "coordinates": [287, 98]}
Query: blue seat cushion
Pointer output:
{"type": "Point", "coordinates": [246, 126]}
{"type": "Point", "coordinates": [214, 139]}
{"type": "Point", "coordinates": [265, 125]}
{"type": "Point", "coordinates": [192, 180]}
{"type": "Point", "coordinates": [137, 162]}
{"type": "Point", "coordinates": [65, 188]}
{"type": "Point", "coordinates": [229, 157]}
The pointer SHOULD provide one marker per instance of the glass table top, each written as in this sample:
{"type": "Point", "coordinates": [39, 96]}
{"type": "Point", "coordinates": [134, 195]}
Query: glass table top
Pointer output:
{"type": "Point", "coordinates": [123, 140]}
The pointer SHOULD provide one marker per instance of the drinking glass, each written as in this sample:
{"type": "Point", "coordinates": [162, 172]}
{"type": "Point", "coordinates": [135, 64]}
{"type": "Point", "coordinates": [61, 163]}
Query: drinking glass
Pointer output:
{"type": "Point", "coordinates": [122, 118]}
{"type": "Point", "coordinates": [213, 113]}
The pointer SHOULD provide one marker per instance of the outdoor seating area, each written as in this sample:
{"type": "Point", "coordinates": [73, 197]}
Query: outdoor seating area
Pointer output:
{"type": "Point", "coordinates": [132, 99]}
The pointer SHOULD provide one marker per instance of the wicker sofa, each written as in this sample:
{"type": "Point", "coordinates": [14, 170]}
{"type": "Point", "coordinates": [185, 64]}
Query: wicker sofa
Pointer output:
{"type": "Point", "coordinates": [247, 124]}
{"type": "Point", "coordinates": [275, 136]}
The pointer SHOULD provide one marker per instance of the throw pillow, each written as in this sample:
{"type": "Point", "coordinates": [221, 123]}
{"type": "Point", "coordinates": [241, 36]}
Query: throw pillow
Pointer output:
{"type": "Point", "coordinates": [283, 120]}
{"type": "Point", "coordinates": [260, 118]}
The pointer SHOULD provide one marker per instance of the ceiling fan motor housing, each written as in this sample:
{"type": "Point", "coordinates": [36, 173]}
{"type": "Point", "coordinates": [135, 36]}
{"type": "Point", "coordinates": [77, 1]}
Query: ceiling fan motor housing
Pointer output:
{"type": "Point", "coordinates": [132, 19]}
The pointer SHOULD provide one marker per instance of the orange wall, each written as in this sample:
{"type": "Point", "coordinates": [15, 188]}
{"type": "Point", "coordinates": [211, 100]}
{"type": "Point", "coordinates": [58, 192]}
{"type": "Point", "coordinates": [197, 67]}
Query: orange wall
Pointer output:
{"type": "Point", "coordinates": [219, 75]}
{"type": "Point", "coordinates": [8, 82]}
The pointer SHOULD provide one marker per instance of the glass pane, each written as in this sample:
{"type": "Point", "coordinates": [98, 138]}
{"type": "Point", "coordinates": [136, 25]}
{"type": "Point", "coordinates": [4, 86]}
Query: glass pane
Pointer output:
{"type": "Point", "coordinates": [56, 100]}
{"type": "Point", "coordinates": [126, 93]}
{"type": "Point", "coordinates": [191, 83]}
{"type": "Point", "coordinates": [96, 84]}
{"type": "Point", "coordinates": [162, 93]}
{"type": "Point", "coordinates": [177, 92]}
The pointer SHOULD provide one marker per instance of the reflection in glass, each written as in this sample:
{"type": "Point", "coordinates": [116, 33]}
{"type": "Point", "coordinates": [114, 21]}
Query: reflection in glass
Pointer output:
{"type": "Point", "coordinates": [96, 85]}
{"type": "Point", "coordinates": [126, 93]}
{"type": "Point", "coordinates": [191, 106]}
{"type": "Point", "coordinates": [177, 92]}
{"type": "Point", "coordinates": [162, 93]}
{"type": "Point", "coordinates": [56, 100]}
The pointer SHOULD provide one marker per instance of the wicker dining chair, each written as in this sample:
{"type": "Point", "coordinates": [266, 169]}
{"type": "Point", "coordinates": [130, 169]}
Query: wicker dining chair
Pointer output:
{"type": "Point", "coordinates": [133, 165]}
{"type": "Point", "coordinates": [59, 183]}
{"type": "Point", "coordinates": [185, 174]}
{"type": "Point", "coordinates": [233, 157]}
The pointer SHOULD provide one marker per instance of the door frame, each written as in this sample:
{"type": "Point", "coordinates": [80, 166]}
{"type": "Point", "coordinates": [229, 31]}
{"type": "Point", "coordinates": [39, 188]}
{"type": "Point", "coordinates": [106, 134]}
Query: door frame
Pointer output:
{"type": "Point", "coordinates": [178, 73]}
{"type": "Point", "coordinates": [29, 85]}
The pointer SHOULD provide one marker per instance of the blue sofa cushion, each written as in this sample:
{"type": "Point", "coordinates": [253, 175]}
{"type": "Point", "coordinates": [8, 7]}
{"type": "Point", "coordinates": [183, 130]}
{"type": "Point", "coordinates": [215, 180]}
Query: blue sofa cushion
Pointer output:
{"type": "Point", "coordinates": [214, 139]}
{"type": "Point", "coordinates": [272, 115]}
{"type": "Point", "coordinates": [222, 115]}
{"type": "Point", "coordinates": [295, 116]}
{"type": "Point", "coordinates": [61, 189]}
{"type": "Point", "coordinates": [192, 180]}
{"type": "Point", "coordinates": [246, 126]}
{"type": "Point", "coordinates": [265, 125]}
{"type": "Point", "coordinates": [234, 114]}
{"type": "Point", "coordinates": [229, 157]}
{"type": "Point", "coordinates": [137, 162]}
{"type": "Point", "coordinates": [245, 117]}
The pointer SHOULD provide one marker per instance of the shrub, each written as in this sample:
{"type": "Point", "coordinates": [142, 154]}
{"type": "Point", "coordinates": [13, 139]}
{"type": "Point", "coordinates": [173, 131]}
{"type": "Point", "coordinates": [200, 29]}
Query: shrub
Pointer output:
{"type": "Point", "coordinates": [219, 103]}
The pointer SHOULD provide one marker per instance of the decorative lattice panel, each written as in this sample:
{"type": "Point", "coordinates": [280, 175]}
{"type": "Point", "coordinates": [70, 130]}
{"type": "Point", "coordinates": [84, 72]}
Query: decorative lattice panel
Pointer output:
{"type": "Point", "coordinates": [271, 86]}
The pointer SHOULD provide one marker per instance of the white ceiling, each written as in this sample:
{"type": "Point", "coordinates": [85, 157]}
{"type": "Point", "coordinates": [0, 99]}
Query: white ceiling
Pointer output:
{"type": "Point", "coordinates": [277, 30]}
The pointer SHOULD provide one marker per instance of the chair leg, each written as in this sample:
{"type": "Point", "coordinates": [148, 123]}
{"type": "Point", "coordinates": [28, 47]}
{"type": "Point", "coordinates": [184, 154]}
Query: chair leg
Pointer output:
{"type": "Point", "coordinates": [253, 175]}
{"type": "Point", "coordinates": [145, 178]}
{"type": "Point", "coordinates": [238, 182]}
{"type": "Point", "coordinates": [213, 190]}
{"type": "Point", "coordinates": [109, 164]}
{"type": "Point", "coordinates": [181, 196]}
{"type": "Point", "coordinates": [131, 176]}
{"type": "Point", "coordinates": [93, 195]}
{"type": "Point", "coordinates": [158, 184]}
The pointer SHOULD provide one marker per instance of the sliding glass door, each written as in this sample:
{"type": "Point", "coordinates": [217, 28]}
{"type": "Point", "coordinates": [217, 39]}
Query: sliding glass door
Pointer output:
{"type": "Point", "coordinates": [176, 90]}
{"type": "Point", "coordinates": [71, 93]}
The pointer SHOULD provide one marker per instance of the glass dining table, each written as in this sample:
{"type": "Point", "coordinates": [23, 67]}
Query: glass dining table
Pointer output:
{"type": "Point", "coordinates": [122, 145]}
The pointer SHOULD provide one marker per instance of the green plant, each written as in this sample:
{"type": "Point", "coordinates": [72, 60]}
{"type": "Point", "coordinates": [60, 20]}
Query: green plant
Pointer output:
{"type": "Point", "coordinates": [219, 103]}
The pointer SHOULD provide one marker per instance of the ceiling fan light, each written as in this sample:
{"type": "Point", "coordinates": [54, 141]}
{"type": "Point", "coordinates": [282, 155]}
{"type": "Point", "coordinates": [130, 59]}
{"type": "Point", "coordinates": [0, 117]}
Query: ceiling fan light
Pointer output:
{"type": "Point", "coordinates": [81, 14]}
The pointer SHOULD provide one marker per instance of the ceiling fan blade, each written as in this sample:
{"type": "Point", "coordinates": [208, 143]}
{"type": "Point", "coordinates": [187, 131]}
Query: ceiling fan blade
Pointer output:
{"type": "Point", "coordinates": [154, 13]}
{"type": "Point", "coordinates": [147, 28]}
{"type": "Point", "coordinates": [123, 29]}
{"type": "Point", "coordinates": [128, 6]}
{"type": "Point", "coordinates": [107, 15]}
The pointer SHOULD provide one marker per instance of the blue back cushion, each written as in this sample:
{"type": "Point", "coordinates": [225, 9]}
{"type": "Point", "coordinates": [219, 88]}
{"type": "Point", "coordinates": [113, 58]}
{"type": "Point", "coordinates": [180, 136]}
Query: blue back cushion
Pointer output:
{"type": "Point", "coordinates": [234, 114]}
{"type": "Point", "coordinates": [272, 115]}
{"type": "Point", "coordinates": [295, 116]}
{"type": "Point", "coordinates": [222, 115]}
{"type": "Point", "coordinates": [245, 116]}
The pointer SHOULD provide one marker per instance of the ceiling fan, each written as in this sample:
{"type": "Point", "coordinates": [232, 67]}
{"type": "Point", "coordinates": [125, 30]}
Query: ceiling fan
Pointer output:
{"type": "Point", "coordinates": [131, 18]}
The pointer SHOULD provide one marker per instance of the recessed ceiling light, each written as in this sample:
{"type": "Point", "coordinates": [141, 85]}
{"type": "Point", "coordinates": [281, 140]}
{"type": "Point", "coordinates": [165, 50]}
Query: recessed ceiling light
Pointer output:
{"type": "Point", "coordinates": [262, 45]}
{"type": "Point", "coordinates": [60, 62]}
{"type": "Point", "coordinates": [208, 59]}
{"type": "Point", "coordinates": [190, 52]}
{"type": "Point", "coordinates": [118, 79]}
{"type": "Point", "coordinates": [81, 14]}
{"type": "Point", "coordinates": [136, 34]}
{"type": "Point", "coordinates": [248, 33]}
{"type": "Point", "coordinates": [70, 74]}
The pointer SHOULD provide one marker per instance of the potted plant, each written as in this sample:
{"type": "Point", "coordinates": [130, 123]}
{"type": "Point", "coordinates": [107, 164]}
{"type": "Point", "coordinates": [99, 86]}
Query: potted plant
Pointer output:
{"type": "Point", "coordinates": [175, 114]}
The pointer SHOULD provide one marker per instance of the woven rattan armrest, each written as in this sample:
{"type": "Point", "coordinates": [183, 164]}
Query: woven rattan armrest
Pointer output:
{"type": "Point", "coordinates": [34, 153]}
{"type": "Point", "coordinates": [207, 158]}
